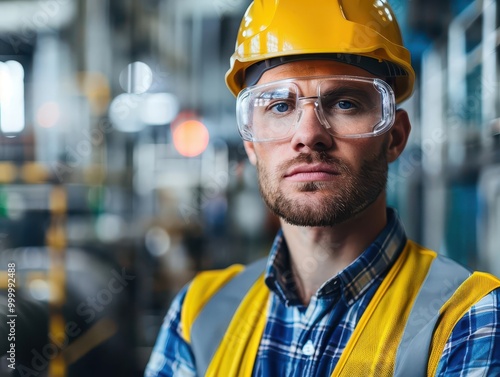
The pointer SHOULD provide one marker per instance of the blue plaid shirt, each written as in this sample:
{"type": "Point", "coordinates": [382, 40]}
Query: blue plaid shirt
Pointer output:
{"type": "Point", "coordinates": [308, 341]}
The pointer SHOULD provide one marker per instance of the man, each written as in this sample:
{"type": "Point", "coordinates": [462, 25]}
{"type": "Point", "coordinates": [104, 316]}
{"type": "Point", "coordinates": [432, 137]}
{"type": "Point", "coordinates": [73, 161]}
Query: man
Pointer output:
{"type": "Point", "coordinates": [343, 292]}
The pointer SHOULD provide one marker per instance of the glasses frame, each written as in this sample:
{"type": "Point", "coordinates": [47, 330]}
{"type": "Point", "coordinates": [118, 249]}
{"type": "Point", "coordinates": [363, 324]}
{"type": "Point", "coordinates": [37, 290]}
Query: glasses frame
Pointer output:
{"type": "Point", "coordinates": [388, 106]}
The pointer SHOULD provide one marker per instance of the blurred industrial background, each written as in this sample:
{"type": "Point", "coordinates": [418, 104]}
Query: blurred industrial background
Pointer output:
{"type": "Point", "coordinates": [122, 172]}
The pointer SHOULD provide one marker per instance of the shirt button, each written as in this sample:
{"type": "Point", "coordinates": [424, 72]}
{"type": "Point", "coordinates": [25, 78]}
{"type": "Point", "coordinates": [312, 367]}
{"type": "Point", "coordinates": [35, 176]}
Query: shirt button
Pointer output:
{"type": "Point", "coordinates": [308, 349]}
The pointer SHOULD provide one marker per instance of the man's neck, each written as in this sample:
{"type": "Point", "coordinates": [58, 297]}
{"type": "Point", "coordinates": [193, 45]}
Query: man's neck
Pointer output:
{"type": "Point", "coordinates": [318, 254]}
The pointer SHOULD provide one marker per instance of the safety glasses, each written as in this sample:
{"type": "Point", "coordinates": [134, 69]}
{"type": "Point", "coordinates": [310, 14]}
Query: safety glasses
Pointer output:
{"type": "Point", "coordinates": [347, 106]}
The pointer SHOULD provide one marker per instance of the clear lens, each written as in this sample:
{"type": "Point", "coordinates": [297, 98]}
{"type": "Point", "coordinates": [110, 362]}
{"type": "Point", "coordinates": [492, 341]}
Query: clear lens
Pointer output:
{"type": "Point", "coordinates": [347, 106]}
{"type": "Point", "coordinates": [269, 113]}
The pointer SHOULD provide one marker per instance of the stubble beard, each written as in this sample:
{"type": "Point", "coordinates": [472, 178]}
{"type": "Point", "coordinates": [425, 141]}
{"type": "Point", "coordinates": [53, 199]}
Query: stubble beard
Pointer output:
{"type": "Point", "coordinates": [351, 193]}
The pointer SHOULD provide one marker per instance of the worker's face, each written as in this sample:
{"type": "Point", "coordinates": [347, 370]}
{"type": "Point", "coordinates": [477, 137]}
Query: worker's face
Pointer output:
{"type": "Point", "coordinates": [313, 178]}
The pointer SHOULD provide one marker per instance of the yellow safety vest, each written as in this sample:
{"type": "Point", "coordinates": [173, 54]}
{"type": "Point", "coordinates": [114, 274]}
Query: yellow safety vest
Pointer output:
{"type": "Point", "coordinates": [377, 338]}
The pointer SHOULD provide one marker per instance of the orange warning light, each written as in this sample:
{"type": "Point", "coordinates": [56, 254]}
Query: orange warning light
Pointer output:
{"type": "Point", "coordinates": [190, 138]}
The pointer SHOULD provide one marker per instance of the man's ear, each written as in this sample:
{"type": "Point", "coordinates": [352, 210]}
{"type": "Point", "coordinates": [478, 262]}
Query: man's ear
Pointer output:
{"type": "Point", "coordinates": [398, 135]}
{"type": "Point", "coordinates": [249, 148]}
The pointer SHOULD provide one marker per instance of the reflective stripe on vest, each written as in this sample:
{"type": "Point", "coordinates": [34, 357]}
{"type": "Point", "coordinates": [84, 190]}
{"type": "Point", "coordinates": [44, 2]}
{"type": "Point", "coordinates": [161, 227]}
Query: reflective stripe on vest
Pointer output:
{"type": "Point", "coordinates": [210, 326]}
{"type": "Point", "coordinates": [441, 281]}
{"type": "Point", "coordinates": [413, 351]}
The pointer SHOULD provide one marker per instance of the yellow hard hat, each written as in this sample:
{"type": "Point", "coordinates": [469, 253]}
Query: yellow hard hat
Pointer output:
{"type": "Point", "coordinates": [358, 32]}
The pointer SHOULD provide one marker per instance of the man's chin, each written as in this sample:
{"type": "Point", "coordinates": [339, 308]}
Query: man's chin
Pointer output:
{"type": "Point", "coordinates": [313, 199]}
{"type": "Point", "coordinates": [308, 210]}
{"type": "Point", "coordinates": [312, 221]}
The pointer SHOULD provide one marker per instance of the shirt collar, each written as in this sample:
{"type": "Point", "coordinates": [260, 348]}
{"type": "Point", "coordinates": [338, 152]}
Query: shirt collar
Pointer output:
{"type": "Point", "coordinates": [355, 279]}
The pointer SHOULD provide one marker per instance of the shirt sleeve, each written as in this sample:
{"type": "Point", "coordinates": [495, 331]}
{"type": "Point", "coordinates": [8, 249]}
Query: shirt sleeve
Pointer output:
{"type": "Point", "coordinates": [172, 356]}
{"type": "Point", "coordinates": [473, 348]}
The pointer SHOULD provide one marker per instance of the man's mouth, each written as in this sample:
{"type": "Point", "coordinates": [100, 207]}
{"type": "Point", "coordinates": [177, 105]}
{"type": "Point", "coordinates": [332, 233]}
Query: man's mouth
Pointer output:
{"type": "Point", "coordinates": [312, 172]}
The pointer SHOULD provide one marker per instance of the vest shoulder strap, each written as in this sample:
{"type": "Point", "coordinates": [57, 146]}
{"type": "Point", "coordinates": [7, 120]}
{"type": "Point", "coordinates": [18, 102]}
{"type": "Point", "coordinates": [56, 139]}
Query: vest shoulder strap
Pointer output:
{"type": "Point", "coordinates": [200, 291]}
{"type": "Point", "coordinates": [478, 285]}
{"type": "Point", "coordinates": [211, 323]}
{"type": "Point", "coordinates": [442, 280]}
{"type": "Point", "coordinates": [400, 325]}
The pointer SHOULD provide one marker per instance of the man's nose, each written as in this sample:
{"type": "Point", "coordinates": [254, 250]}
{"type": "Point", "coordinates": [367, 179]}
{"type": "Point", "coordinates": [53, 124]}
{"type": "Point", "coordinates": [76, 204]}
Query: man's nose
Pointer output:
{"type": "Point", "coordinates": [310, 133]}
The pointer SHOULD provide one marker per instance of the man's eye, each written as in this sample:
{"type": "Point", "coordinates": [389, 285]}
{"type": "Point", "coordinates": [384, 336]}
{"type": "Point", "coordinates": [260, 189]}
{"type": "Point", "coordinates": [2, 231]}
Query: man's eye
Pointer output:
{"type": "Point", "coordinates": [345, 105]}
{"type": "Point", "coordinates": [281, 107]}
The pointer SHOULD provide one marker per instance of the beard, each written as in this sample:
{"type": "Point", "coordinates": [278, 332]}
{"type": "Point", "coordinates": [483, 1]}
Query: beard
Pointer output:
{"type": "Point", "coordinates": [350, 193]}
